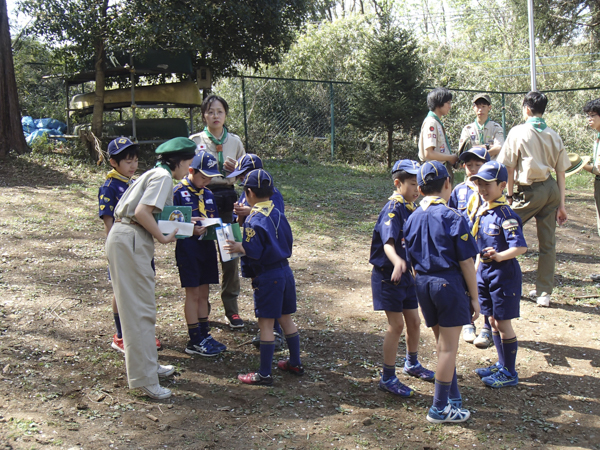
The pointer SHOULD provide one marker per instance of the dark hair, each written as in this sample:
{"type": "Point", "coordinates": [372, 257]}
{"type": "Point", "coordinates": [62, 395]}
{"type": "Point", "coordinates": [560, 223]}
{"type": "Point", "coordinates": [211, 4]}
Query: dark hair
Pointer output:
{"type": "Point", "coordinates": [402, 175]}
{"type": "Point", "coordinates": [432, 187]}
{"type": "Point", "coordinates": [536, 102]}
{"type": "Point", "coordinates": [207, 103]}
{"type": "Point", "coordinates": [470, 157]}
{"type": "Point", "coordinates": [592, 106]}
{"type": "Point", "coordinates": [172, 160]}
{"type": "Point", "coordinates": [129, 152]}
{"type": "Point", "coordinates": [438, 97]}
{"type": "Point", "coordinates": [262, 192]}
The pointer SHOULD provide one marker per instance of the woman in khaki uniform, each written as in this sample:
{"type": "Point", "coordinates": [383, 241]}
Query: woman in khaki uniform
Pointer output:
{"type": "Point", "coordinates": [130, 249]}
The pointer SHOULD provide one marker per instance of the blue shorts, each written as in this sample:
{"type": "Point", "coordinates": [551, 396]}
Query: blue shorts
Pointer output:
{"type": "Point", "coordinates": [197, 265]}
{"type": "Point", "coordinates": [443, 299]}
{"type": "Point", "coordinates": [499, 288]}
{"type": "Point", "coordinates": [390, 296]}
{"type": "Point", "coordinates": [274, 293]}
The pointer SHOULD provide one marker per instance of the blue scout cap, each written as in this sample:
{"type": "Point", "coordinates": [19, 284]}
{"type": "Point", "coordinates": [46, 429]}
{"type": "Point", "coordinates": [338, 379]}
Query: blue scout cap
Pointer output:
{"type": "Point", "coordinates": [409, 166]}
{"type": "Point", "coordinates": [481, 152]}
{"type": "Point", "coordinates": [436, 168]}
{"type": "Point", "coordinates": [492, 171]}
{"type": "Point", "coordinates": [249, 161]}
{"type": "Point", "coordinates": [119, 144]}
{"type": "Point", "coordinates": [206, 163]}
{"type": "Point", "coordinates": [177, 145]}
{"type": "Point", "coordinates": [258, 178]}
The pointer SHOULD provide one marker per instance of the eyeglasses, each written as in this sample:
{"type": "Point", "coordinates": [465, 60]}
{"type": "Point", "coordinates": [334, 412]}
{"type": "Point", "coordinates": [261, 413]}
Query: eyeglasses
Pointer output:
{"type": "Point", "coordinates": [591, 116]}
{"type": "Point", "coordinates": [215, 113]}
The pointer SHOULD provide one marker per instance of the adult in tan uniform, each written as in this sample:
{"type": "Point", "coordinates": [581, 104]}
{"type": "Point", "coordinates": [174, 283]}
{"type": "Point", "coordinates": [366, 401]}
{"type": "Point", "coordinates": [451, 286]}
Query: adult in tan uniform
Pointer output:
{"type": "Point", "coordinates": [483, 132]}
{"type": "Point", "coordinates": [531, 152]}
{"type": "Point", "coordinates": [130, 249]}
{"type": "Point", "coordinates": [226, 148]}
{"type": "Point", "coordinates": [434, 144]}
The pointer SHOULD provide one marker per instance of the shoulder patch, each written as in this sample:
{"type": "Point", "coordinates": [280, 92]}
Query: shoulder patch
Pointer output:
{"type": "Point", "coordinates": [391, 215]}
{"type": "Point", "coordinates": [250, 233]}
{"type": "Point", "coordinates": [465, 237]}
{"type": "Point", "coordinates": [510, 224]}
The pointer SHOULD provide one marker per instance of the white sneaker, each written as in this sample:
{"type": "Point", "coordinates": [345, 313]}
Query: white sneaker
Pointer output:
{"type": "Point", "coordinates": [165, 371]}
{"type": "Point", "coordinates": [533, 294]}
{"type": "Point", "coordinates": [156, 391]}
{"type": "Point", "coordinates": [469, 333]}
{"type": "Point", "coordinates": [543, 300]}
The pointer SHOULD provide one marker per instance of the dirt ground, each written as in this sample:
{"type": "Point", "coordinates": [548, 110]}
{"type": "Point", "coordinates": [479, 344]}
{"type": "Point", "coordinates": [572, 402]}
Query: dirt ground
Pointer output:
{"type": "Point", "coordinates": [62, 386]}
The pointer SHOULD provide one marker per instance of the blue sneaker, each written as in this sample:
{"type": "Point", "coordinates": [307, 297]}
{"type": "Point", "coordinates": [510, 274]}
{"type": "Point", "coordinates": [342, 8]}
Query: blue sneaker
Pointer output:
{"type": "Point", "coordinates": [502, 378]}
{"type": "Point", "coordinates": [204, 348]}
{"type": "Point", "coordinates": [216, 343]}
{"type": "Point", "coordinates": [487, 371]}
{"type": "Point", "coordinates": [449, 414]}
{"type": "Point", "coordinates": [455, 402]}
{"type": "Point", "coordinates": [418, 371]}
{"type": "Point", "coordinates": [393, 386]}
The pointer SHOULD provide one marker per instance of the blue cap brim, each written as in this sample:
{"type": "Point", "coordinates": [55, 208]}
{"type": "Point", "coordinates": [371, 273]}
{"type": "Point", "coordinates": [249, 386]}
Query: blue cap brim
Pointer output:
{"type": "Point", "coordinates": [209, 173]}
{"type": "Point", "coordinates": [236, 173]}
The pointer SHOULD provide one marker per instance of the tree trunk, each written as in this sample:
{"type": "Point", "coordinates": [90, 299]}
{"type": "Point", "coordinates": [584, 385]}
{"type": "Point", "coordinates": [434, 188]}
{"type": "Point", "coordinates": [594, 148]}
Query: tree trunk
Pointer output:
{"type": "Point", "coordinates": [390, 145]}
{"type": "Point", "coordinates": [100, 64]}
{"type": "Point", "coordinates": [11, 131]}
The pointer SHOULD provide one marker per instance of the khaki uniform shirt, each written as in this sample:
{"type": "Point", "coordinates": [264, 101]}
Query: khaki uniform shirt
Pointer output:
{"type": "Point", "coordinates": [533, 154]}
{"type": "Point", "coordinates": [432, 135]}
{"type": "Point", "coordinates": [493, 134]}
{"type": "Point", "coordinates": [232, 147]}
{"type": "Point", "coordinates": [154, 188]}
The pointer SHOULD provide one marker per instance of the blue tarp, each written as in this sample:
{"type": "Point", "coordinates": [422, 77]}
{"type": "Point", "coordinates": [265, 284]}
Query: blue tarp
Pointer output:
{"type": "Point", "coordinates": [37, 128]}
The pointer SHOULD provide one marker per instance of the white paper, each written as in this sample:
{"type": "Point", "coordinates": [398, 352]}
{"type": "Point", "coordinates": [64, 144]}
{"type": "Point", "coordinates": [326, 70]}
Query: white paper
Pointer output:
{"type": "Point", "coordinates": [167, 227]}
{"type": "Point", "coordinates": [224, 234]}
{"type": "Point", "coordinates": [208, 222]}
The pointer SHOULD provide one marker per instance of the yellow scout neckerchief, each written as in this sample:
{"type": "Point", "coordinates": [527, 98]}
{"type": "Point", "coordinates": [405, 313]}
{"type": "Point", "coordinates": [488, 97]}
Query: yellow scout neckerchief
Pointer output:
{"type": "Point", "coordinates": [411, 206]}
{"type": "Point", "coordinates": [483, 210]}
{"type": "Point", "coordinates": [198, 193]}
{"type": "Point", "coordinates": [265, 208]}
{"type": "Point", "coordinates": [481, 129]}
{"type": "Point", "coordinates": [431, 200]}
{"type": "Point", "coordinates": [474, 202]}
{"type": "Point", "coordinates": [117, 176]}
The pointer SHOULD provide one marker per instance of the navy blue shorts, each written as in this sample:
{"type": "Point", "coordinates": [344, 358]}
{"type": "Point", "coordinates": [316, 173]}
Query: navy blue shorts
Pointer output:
{"type": "Point", "coordinates": [197, 265]}
{"type": "Point", "coordinates": [443, 299]}
{"type": "Point", "coordinates": [390, 296]}
{"type": "Point", "coordinates": [499, 288]}
{"type": "Point", "coordinates": [274, 293]}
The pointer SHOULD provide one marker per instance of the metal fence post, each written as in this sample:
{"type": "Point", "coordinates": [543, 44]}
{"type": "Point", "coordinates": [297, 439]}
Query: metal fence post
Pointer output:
{"type": "Point", "coordinates": [332, 122]}
{"type": "Point", "coordinates": [504, 115]}
{"type": "Point", "coordinates": [245, 118]}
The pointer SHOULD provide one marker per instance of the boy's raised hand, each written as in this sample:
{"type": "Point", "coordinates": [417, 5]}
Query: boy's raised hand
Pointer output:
{"type": "Point", "coordinates": [241, 210]}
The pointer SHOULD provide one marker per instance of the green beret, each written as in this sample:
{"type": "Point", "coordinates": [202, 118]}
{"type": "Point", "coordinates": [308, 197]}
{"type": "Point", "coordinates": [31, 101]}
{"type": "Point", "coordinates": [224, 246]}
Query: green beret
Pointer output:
{"type": "Point", "coordinates": [177, 145]}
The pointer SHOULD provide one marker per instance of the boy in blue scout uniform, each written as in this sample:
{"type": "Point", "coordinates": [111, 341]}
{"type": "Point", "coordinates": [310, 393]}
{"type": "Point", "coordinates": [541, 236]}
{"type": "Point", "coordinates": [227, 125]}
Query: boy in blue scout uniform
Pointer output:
{"type": "Point", "coordinates": [241, 209]}
{"type": "Point", "coordinates": [196, 258]}
{"type": "Point", "coordinates": [123, 157]}
{"type": "Point", "coordinates": [440, 248]}
{"type": "Point", "coordinates": [483, 131]}
{"type": "Point", "coordinates": [467, 201]}
{"type": "Point", "coordinates": [392, 283]}
{"type": "Point", "coordinates": [499, 234]}
{"type": "Point", "coordinates": [267, 245]}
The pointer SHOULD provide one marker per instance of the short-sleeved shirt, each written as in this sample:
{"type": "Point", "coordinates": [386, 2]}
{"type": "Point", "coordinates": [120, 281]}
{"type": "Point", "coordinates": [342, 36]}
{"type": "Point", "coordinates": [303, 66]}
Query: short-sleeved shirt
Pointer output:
{"type": "Point", "coordinates": [390, 225]}
{"type": "Point", "coordinates": [437, 237]}
{"type": "Point", "coordinates": [461, 194]}
{"type": "Point", "coordinates": [153, 188]}
{"type": "Point", "coordinates": [111, 192]}
{"type": "Point", "coordinates": [267, 237]}
{"type": "Point", "coordinates": [533, 154]}
{"type": "Point", "coordinates": [203, 205]}
{"type": "Point", "coordinates": [232, 148]}
{"type": "Point", "coordinates": [500, 228]}
{"type": "Point", "coordinates": [432, 135]}
{"type": "Point", "coordinates": [492, 135]}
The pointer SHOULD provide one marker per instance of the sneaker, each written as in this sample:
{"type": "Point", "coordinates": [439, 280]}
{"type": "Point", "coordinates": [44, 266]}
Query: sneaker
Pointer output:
{"type": "Point", "coordinates": [158, 344]}
{"type": "Point", "coordinates": [156, 391]}
{"type": "Point", "coordinates": [418, 371]}
{"type": "Point", "coordinates": [449, 414]}
{"type": "Point", "coordinates": [279, 341]}
{"type": "Point", "coordinates": [455, 402]}
{"type": "Point", "coordinates": [235, 321]}
{"type": "Point", "coordinates": [216, 343]}
{"type": "Point", "coordinates": [204, 348]}
{"type": "Point", "coordinates": [469, 333]}
{"type": "Point", "coordinates": [595, 277]}
{"type": "Point", "coordinates": [287, 367]}
{"type": "Point", "coordinates": [117, 344]}
{"type": "Point", "coordinates": [543, 300]}
{"type": "Point", "coordinates": [484, 340]}
{"type": "Point", "coordinates": [502, 378]}
{"type": "Point", "coordinates": [165, 371]}
{"type": "Point", "coordinates": [393, 386]}
{"type": "Point", "coordinates": [533, 293]}
{"type": "Point", "coordinates": [487, 371]}
{"type": "Point", "coordinates": [256, 379]}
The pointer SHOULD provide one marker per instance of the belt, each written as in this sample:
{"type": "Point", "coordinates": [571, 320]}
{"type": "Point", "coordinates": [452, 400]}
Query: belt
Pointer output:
{"type": "Point", "coordinates": [522, 187]}
{"type": "Point", "coordinates": [128, 221]}
{"type": "Point", "coordinates": [261, 269]}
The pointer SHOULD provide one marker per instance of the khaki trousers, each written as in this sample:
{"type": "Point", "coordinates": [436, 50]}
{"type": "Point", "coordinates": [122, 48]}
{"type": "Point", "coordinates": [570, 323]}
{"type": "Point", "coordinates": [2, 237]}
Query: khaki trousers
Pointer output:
{"type": "Point", "coordinates": [130, 249]}
{"type": "Point", "coordinates": [230, 285]}
{"type": "Point", "coordinates": [541, 200]}
{"type": "Point", "coordinates": [597, 199]}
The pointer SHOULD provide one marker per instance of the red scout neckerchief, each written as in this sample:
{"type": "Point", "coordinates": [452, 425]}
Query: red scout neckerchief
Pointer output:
{"type": "Point", "coordinates": [219, 144]}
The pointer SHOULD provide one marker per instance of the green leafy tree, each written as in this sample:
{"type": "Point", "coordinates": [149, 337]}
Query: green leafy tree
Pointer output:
{"type": "Point", "coordinates": [390, 95]}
